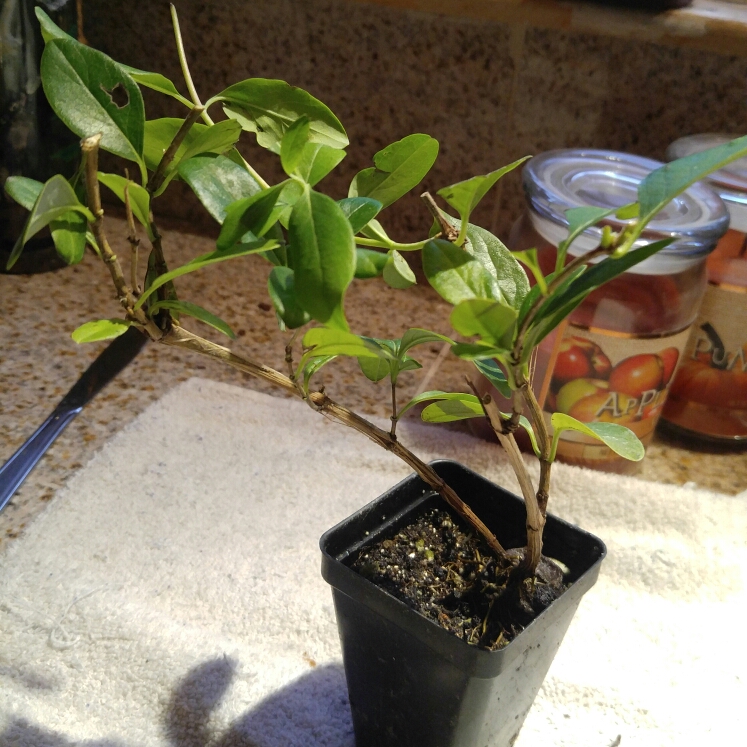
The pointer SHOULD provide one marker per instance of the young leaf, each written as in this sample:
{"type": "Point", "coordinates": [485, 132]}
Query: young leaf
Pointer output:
{"type": "Point", "coordinates": [326, 341]}
{"type": "Point", "coordinates": [665, 183]}
{"type": "Point", "coordinates": [256, 214]}
{"type": "Point", "coordinates": [580, 219]}
{"type": "Point", "coordinates": [192, 309]}
{"type": "Point", "coordinates": [408, 364]}
{"type": "Point", "coordinates": [456, 275]}
{"type": "Point", "coordinates": [465, 196]}
{"type": "Point", "coordinates": [291, 146]}
{"type": "Point", "coordinates": [322, 256]}
{"type": "Point", "coordinates": [375, 369]}
{"type": "Point", "coordinates": [103, 329]}
{"type": "Point", "coordinates": [397, 273]}
{"type": "Point", "coordinates": [374, 230]}
{"type": "Point", "coordinates": [424, 397]}
{"type": "Point", "coordinates": [477, 351]}
{"type": "Point", "coordinates": [494, 374]}
{"type": "Point", "coordinates": [494, 321]}
{"type": "Point", "coordinates": [369, 263]}
{"type": "Point", "coordinates": [91, 93]}
{"type": "Point", "coordinates": [457, 407]}
{"type": "Point", "coordinates": [23, 190]}
{"type": "Point", "coordinates": [139, 197]}
{"type": "Point", "coordinates": [416, 336]}
{"type": "Point", "coordinates": [217, 181]}
{"type": "Point", "coordinates": [529, 259]}
{"type": "Point", "coordinates": [399, 168]}
{"type": "Point", "coordinates": [269, 107]}
{"type": "Point", "coordinates": [282, 289]}
{"type": "Point", "coordinates": [69, 236]}
{"type": "Point", "coordinates": [49, 29]}
{"type": "Point", "coordinates": [317, 161]}
{"type": "Point", "coordinates": [359, 211]}
{"type": "Point", "coordinates": [312, 367]}
{"type": "Point", "coordinates": [619, 438]}
{"type": "Point", "coordinates": [239, 250]}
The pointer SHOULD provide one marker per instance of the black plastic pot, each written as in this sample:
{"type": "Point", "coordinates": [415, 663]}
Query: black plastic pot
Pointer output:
{"type": "Point", "coordinates": [410, 682]}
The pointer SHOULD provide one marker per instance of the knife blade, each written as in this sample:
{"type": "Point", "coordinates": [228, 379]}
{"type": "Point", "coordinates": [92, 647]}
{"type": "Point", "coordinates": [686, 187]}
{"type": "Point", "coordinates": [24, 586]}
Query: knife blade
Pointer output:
{"type": "Point", "coordinates": [109, 363]}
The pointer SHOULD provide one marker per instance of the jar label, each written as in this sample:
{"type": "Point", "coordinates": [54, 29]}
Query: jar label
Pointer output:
{"type": "Point", "coordinates": [709, 393]}
{"type": "Point", "coordinates": [601, 376]}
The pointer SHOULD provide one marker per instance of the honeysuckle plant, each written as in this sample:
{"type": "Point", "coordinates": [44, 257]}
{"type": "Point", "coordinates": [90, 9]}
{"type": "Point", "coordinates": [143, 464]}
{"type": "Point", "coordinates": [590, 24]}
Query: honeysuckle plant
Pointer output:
{"type": "Point", "coordinates": [317, 245]}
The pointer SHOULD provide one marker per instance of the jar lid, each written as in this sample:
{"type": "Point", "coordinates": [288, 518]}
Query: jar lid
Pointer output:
{"type": "Point", "coordinates": [730, 182]}
{"type": "Point", "coordinates": [558, 180]}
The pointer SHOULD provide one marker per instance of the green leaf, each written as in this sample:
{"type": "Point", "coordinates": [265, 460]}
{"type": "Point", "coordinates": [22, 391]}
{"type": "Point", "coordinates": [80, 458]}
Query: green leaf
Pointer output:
{"type": "Point", "coordinates": [456, 275]}
{"type": "Point", "coordinates": [103, 329]}
{"type": "Point", "coordinates": [49, 29]}
{"type": "Point", "coordinates": [255, 214]}
{"type": "Point", "coordinates": [91, 93]}
{"type": "Point", "coordinates": [619, 438]}
{"type": "Point", "coordinates": [326, 341]}
{"type": "Point", "coordinates": [192, 309]}
{"type": "Point", "coordinates": [55, 201]}
{"type": "Point", "coordinates": [282, 289]}
{"type": "Point", "coordinates": [491, 252]}
{"type": "Point", "coordinates": [156, 82]}
{"type": "Point", "coordinates": [269, 107]}
{"type": "Point", "coordinates": [69, 236]}
{"type": "Point", "coordinates": [627, 212]}
{"type": "Point", "coordinates": [292, 144]}
{"type": "Point", "coordinates": [465, 196]}
{"type": "Point", "coordinates": [494, 321]}
{"type": "Point", "coordinates": [416, 336]}
{"type": "Point", "coordinates": [399, 168]}
{"type": "Point", "coordinates": [579, 220]}
{"type": "Point", "coordinates": [665, 183]}
{"type": "Point", "coordinates": [23, 190]}
{"type": "Point", "coordinates": [317, 161]}
{"type": "Point", "coordinates": [474, 351]}
{"type": "Point", "coordinates": [494, 374]}
{"type": "Point", "coordinates": [238, 250]}
{"type": "Point", "coordinates": [408, 364]}
{"type": "Point", "coordinates": [397, 273]}
{"type": "Point", "coordinates": [374, 230]}
{"type": "Point", "coordinates": [456, 407]}
{"type": "Point", "coordinates": [322, 255]}
{"type": "Point", "coordinates": [529, 259]}
{"type": "Point", "coordinates": [375, 369]}
{"type": "Point", "coordinates": [423, 397]}
{"type": "Point", "coordinates": [527, 426]}
{"type": "Point", "coordinates": [359, 211]}
{"type": "Point", "coordinates": [139, 197]}
{"type": "Point", "coordinates": [369, 263]}
{"type": "Point", "coordinates": [312, 367]}
{"type": "Point", "coordinates": [217, 181]}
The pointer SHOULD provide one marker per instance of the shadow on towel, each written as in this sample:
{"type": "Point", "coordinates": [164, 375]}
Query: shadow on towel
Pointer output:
{"type": "Point", "coordinates": [311, 711]}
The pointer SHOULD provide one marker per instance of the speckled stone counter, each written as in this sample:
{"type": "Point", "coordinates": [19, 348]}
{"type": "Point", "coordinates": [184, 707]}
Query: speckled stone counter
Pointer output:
{"type": "Point", "coordinates": [39, 363]}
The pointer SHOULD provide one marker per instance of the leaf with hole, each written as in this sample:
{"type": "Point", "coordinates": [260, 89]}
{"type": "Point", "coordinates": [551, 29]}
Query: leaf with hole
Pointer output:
{"type": "Point", "coordinates": [269, 107]}
{"type": "Point", "coordinates": [217, 181]}
{"type": "Point", "coordinates": [398, 168]}
{"type": "Point", "coordinates": [282, 288]}
{"type": "Point", "coordinates": [322, 255]}
{"type": "Point", "coordinates": [91, 94]}
{"type": "Point", "coordinates": [102, 329]}
{"type": "Point", "coordinates": [619, 438]}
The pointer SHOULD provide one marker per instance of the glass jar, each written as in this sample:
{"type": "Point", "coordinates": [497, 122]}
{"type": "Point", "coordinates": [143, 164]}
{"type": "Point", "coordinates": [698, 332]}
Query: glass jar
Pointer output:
{"type": "Point", "coordinates": [614, 358]}
{"type": "Point", "coordinates": [708, 398]}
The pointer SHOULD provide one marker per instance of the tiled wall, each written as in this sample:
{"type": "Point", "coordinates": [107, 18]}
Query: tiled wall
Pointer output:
{"type": "Point", "coordinates": [488, 92]}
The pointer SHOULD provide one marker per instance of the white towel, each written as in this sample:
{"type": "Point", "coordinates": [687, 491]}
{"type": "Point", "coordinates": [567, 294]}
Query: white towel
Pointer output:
{"type": "Point", "coordinates": [170, 595]}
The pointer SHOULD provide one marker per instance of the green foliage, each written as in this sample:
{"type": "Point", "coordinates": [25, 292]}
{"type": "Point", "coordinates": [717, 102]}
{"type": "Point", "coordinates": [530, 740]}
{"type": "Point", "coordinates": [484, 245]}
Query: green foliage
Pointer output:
{"type": "Point", "coordinates": [269, 108]}
{"type": "Point", "coordinates": [397, 273]}
{"type": "Point", "coordinates": [369, 263]}
{"type": "Point", "coordinates": [138, 196]}
{"type": "Point", "coordinates": [102, 329]}
{"type": "Point", "coordinates": [397, 169]}
{"type": "Point", "coordinates": [620, 439]}
{"type": "Point", "coordinates": [454, 406]}
{"type": "Point", "coordinates": [254, 215]}
{"type": "Point", "coordinates": [192, 309]}
{"type": "Point", "coordinates": [282, 288]}
{"type": "Point", "coordinates": [322, 256]}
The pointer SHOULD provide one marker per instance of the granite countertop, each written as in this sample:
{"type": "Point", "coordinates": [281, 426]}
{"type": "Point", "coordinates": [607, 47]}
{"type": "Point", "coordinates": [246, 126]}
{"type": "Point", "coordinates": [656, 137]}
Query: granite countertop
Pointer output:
{"type": "Point", "coordinates": [39, 363]}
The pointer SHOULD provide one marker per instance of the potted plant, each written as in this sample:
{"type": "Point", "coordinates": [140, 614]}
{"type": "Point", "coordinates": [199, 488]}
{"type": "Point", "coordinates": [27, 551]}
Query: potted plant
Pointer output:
{"type": "Point", "coordinates": [463, 670]}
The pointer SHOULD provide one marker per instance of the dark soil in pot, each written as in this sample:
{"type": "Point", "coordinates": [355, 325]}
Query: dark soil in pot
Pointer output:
{"type": "Point", "coordinates": [447, 573]}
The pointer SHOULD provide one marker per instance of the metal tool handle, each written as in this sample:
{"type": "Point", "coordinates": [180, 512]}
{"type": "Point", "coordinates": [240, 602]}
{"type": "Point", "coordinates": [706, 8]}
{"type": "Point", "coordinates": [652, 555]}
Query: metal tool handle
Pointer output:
{"type": "Point", "coordinates": [15, 470]}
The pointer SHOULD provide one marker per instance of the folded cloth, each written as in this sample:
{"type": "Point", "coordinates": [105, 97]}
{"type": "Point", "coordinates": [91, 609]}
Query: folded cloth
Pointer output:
{"type": "Point", "coordinates": [170, 595]}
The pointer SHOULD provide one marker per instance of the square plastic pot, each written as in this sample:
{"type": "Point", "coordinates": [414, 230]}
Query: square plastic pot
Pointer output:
{"type": "Point", "coordinates": [410, 682]}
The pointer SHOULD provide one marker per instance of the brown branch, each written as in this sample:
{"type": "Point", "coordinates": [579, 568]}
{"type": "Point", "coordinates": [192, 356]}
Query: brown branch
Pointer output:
{"type": "Point", "coordinates": [180, 338]}
{"type": "Point", "coordinates": [132, 238]}
{"type": "Point", "coordinates": [393, 417]}
{"type": "Point", "coordinates": [449, 232]}
{"type": "Point", "coordinates": [90, 149]}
